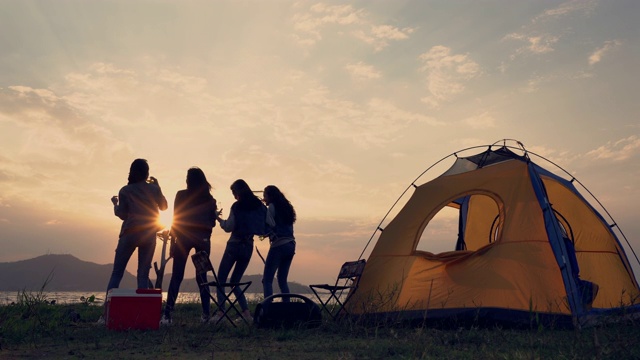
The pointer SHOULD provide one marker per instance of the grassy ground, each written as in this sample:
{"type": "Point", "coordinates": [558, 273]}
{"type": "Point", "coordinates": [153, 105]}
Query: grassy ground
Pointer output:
{"type": "Point", "coordinates": [31, 328]}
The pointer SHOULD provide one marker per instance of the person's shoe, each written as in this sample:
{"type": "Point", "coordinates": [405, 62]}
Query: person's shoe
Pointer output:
{"type": "Point", "coordinates": [165, 321]}
{"type": "Point", "coordinates": [101, 321]}
{"type": "Point", "coordinates": [204, 319]}
{"type": "Point", "coordinates": [215, 318]}
{"type": "Point", "coordinates": [248, 320]}
{"type": "Point", "coordinates": [247, 316]}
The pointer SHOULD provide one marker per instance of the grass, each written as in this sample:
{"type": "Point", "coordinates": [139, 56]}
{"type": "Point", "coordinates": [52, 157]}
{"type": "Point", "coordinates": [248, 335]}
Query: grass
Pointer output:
{"type": "Point", "coordinates": [34, 328]}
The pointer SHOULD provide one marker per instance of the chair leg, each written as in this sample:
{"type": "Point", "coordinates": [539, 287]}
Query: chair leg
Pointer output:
{"type": "Point", "coordinates": [225, 313]}
{"type": "Point", "coordinates": [340, 305]}
{"type": "Point", "coordinates": [323, 304]}
{"type": "Point", "coordinates": [231, 304]}
{"type": "Point", "coordinates": [327, 307]}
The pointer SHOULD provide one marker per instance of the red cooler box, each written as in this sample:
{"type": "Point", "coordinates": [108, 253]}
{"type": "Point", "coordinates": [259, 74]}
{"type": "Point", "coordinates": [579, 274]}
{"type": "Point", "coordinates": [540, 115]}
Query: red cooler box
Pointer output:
{"type": "Point", "coordinates": [133, 309]}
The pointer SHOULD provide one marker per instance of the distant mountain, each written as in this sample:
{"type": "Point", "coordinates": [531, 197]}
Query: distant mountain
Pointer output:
{"type": "Point", "coordinates": [68, 273]}
{"type": "Point", "coordinates": [190, 285]}
{"type": "Point", "coordinates": [63, 273]}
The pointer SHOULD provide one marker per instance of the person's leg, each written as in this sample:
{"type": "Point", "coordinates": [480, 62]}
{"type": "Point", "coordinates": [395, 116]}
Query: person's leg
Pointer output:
{"type": "Point", "coordinates": [124, 250]}
{"type": "Point", "coordinates": [270, 267]}
{"type": "Point", "coordinates": [146, 248]}
{"type": "Point", "coordinates": [205, 293]}
{"type": "Point", "coordinates": [180, 254]}
{"type": "Point", "coordinates": [245, 250]}
{"type": "Point", "coordinates": [226, 263]}
{"type": "Point", "coordinates": [287, 252]}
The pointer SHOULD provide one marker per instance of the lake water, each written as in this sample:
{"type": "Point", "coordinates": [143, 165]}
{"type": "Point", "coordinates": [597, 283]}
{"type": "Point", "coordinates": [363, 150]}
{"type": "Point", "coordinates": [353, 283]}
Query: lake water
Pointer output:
{"type": "Point", "coordinates": [73, 297]}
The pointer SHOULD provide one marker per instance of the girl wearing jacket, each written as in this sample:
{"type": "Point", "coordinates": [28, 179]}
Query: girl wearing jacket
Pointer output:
{"type": "Point", "coordinates": [280, 218]}
{"type": "Point", "coordinates": [138, 205]}
{"type": "Point", "coordinates": [246, 219]}
{"type": "Point", "coordinates": [194, 217]}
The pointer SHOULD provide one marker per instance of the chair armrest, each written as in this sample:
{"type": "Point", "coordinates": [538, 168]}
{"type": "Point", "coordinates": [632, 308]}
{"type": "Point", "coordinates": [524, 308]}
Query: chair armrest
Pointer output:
{"type": "Point", "coordinates": [235, 284]}
{"type": "Point", "coordinates": [332, 287]}
{"type": "Point", "coordinates": [322, 286]}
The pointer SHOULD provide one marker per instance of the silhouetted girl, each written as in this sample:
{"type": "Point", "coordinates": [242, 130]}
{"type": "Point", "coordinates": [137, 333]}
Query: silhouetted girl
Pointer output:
{"type": "Point", "coordinates": [137, 204]}
{"type": "Point", "coordinates": [194, 216]}
{"type": "Point", "coordinates": [280, 217]}
{"type": "Point", "coordinates": [246, 219]}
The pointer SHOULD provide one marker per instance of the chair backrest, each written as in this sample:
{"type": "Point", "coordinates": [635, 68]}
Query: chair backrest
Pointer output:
{"type": "Point", "coordinates": [202, 262]}
{"type": "Point", "coordinates": [352, 270]}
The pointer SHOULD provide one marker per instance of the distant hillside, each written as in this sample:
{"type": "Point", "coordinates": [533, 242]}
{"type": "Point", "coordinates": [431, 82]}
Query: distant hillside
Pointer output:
{"type": "Point", "coordinates": [189, 285]}
{"type": "Point", "coordinates": [68, 273]}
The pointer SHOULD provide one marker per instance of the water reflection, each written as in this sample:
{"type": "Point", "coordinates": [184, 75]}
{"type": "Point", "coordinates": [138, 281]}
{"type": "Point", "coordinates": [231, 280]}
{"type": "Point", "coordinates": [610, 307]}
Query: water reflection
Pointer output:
{"type": "Point", "coordinates": [74, 297]}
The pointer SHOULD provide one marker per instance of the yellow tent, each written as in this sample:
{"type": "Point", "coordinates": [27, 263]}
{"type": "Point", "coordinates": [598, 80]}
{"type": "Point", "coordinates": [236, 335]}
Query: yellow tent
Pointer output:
{"type": "Point", "coordinates": [528, 244]}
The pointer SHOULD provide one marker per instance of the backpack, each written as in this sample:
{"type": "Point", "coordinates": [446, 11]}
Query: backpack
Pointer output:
{"type": "Point", "coordinates": [300, 311]}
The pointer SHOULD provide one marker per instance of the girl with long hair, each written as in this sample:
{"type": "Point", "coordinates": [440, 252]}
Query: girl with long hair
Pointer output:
{"type": "Point", "coordinates": [138, 204]}
{"type": "Point", "coordinates": [280, 217]}
{"type": "Point", "coordinates": [246, 219]}
{"type": "Point", "coordinates": [194, 217]}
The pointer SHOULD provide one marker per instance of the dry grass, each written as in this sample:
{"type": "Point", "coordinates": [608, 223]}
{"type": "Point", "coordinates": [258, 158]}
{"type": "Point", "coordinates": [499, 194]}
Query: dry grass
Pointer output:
{"type": "Point", "coordinates": [33, 328]}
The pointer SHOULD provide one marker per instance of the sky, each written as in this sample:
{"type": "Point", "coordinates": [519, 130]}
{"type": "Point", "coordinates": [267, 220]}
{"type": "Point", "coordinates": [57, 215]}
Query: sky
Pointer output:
{"type": "Point", "coordinates": [341, 104]}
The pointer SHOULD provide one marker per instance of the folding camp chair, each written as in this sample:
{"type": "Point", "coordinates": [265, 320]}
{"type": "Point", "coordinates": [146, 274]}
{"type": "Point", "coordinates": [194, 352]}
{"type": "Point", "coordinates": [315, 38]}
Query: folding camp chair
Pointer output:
{"type": "Point", "coordinates": [203, 265]}
{"type": "Point", "coordinates": [350, 273]}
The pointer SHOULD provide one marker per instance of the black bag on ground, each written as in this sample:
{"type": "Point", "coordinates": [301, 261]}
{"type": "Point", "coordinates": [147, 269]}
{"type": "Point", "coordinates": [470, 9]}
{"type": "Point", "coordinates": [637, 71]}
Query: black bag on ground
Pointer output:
{"type": "Point", "coordinates": [299, 311]}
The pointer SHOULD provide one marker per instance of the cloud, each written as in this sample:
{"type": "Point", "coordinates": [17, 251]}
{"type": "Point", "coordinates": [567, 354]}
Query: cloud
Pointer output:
{"type": "Point", "coordinates": [446, 74]}
{"type": "Point", "coordinates": [29, 108]}
{"type": "Point", "coordinates": [620, 150]}
{"type": "Point", "coordinates": [128, 98]}
{"type": "Point", "coordinates": [310, 23]}
{"type": "Point", "coordinates": [468, 142]}
{"type": "Point", "coordinates": [306, 178]}
{"type": "Point", "coordinates": [294, 109]}
{"type": "Point", "coordinates": [377, 122]}
{"type": "Point", "coordinates": [362, 71]}
{"type": "Point", "coordinates": [3, 203]}
{"type": "Point", "coordinates": [540, 35]}
{"type": "Point", "coordinates": [54, 143]}
{"type": "Point", "coordinates": [90, 123]}
{"type": "Point", "coordinates": [302, 111]}
{"type": "Point", "coordinates": [536, 44]}
{"type": "Point", "coordinates": [379, 36]}
{"type": "Point", "coordinates": [561, 157]}
{"type": "Point", "coordinates": [541, 44]}
{"type": "Point", "coordinates": [181, 82]}
{"type": "Point", "coordinates": [599, 53]}
{"type": "Point", "coordinates": [534, 83]}
{"type": "Point", "coordinates": [482, 121]}
{"type": "Point", "coordinates": [565, 9]}
{"type": "Point", "coordinates": [48, 127]}
{"type": "Point", "coordinates": [390, 32]}
{"type": "Point", "coordinates": [293, 124]}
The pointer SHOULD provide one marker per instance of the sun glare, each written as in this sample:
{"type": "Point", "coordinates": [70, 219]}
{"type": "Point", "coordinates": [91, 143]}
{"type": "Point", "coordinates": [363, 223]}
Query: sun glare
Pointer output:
{"type": "Point", "coordinates": [165, 219]}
